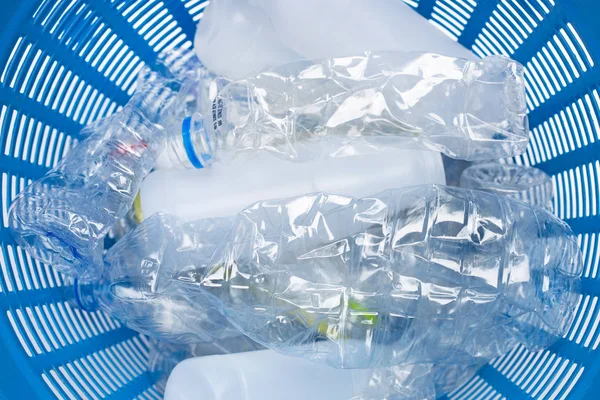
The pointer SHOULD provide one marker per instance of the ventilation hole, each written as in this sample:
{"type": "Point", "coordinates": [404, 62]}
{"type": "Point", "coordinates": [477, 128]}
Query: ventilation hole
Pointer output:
{"type": "Point", "coordinates": [102, 327]}
{"type": "Point", "coordinates": [126, 351]}
{"type": "Point", "coordinates": [98, 376]}
{"type": "Point", "coordinates": [453, 15]}
{"type": "Point", "coordinates": [15, 271]}
{"type": "Point", "coordinates": [35, 323]}
{"type": "Point", "coordinates": [128, 360]}
{"type": "Point", "coordinates": [567, 130]}
{"type": "Point", "coordinates": [458, 392]}
{"type": "Point", "coordinates": [581, 308]}
{"type": "Point", "coordinates": [62, 324]}
{"type": "Point", "coordinates": [62, 385]}
{"type": "Point", "coordinates": [571, 384]}
{"type": "Point", "coordinates": [549, 385]}
{"type": "Point", "coordinates": [140, 356]}
{"type": "Point", "coordinates": [131, 78]}
{"type": "Point", "coordinates": [49, 275]}
{"type": "Point", "coordinates": [101, 372]}
{"type": "Point", "coordinates": [540, 135]}
{"type": "Point", "coordinates": [575, 112]}
{"type": "Point", "coordinates": [596, 260]}
{"type": "Point", "coordinates": [553, 139]}
{"type": "Point", "coordinates": [49, 330]}
{"type": "Point", "coordinates": [580, 199]}
{"type": "Point", "coordinates": [150, 29]}
{"type": "Point", "coordinates": [546, 375]}
{"type": "Point", "coordinates": [10, 132]}
{"type": "Point", "coordinates": [73, 384]}
{"type": "Point", "coordinates": [107, 368]}
{"type": "Point", "coordinates": [589, 254]}
{"type": "Point", "coordinates": [142, 344]}
{"type": "Point", "coordinates": [18, 333]}
{"type": "Point", "coordinates": [545, 370]}
{"type": "Point", "coordinates": [170, 42]}
{"type": "Point", "coordinates": [511, 360]}
{"type": "Point", "coordinates": [533, 370]}
{"type": "Point", "coordinates": [52, 387]}
{"type": "Point", "coordinates": [196, 7]}
{"type": "Point", "coordinates": [543, 74]}
{"type": "Point", "coordinates": [520, 361]}
{"type": "Point", "coordinates": [85, 379]}
{"type": "Point", "coordinates": [573, 191]}
{"type": "Point", "coordinates": [567, 193]}
{"type": "Point", "coordinates": [57, 148]}
{"type": "Point", "coordinates": [510, 24]}
{"type": "Point", "coordinates": [124, 368]}
{"type": "Point", "coordinates": [153, 392]}
{"type": "Point", "coordinates": [74, 321]}
{"type": "Point", "coordinates": [476, 388]}
{"type": "Point", "coordinates": [7, 275]}
{"type": "Point", "coordinates": [90, 325]}
{"type": "Point", "coordinates": [60, 86]}
{"type": "Point", "coordinates": [527, 359]}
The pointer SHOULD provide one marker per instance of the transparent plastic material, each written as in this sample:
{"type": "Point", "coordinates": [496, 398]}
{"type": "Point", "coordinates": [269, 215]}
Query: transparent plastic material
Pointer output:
{"type": "Point", "coordinates": [427, 274]}
{"type": "Point", "coordinates": [472, 110]}
{"type": "Point", "coordinates": [137, 284]}
{"type": "Point", "coordinates": [521, 182]}
{"type": "Point", "coordinates": [63, 218]}
{"type": "Point", "coordinates": [415, 381]}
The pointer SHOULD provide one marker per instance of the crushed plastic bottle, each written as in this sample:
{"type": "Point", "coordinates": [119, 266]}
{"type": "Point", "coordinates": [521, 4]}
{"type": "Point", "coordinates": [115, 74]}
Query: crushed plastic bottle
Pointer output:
{"type": "Point", "coordinates": [63, 218]}
{"type": "Point", "coordinates": [521, 182]}
{"type": "Point", "coordinates": [172, 314]}
{"type": "Point", "coordinates": [465, 109]}
{"type": "Point", "coordinates": [427, 274]}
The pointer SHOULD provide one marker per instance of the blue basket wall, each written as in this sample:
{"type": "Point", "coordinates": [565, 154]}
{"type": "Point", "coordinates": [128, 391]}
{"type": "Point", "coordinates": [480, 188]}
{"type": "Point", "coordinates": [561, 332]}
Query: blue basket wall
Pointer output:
{"type": "Point", "coordinates": [65, 63]}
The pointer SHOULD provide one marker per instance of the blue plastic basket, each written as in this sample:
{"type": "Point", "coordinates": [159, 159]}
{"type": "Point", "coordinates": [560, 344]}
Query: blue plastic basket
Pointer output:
{"type": "Point", "coordinates": [65, 63]}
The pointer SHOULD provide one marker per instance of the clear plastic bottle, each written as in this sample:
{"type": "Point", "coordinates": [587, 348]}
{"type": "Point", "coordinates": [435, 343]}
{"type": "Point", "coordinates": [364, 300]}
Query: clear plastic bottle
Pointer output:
{"type": "Point", "coordinates": [427, 274]}
{"type": "Point", "coordinates": [473, 110]}
{"type": "Point", "coordinates": [142, 296]}
{"type": "Point", "coordinates": [63, 218]}
{"type": "Point", "coordinates": [521, 182]}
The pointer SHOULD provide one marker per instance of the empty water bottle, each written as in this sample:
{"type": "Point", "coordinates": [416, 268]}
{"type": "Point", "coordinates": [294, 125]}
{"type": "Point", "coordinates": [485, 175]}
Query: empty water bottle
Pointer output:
{"type": "Point", "coordinates": [62, 218]}
{"type": "Point", "coordinates": [521, 182]}
{"type": "Point", "coordinates": [427, 274]}
{"type": "Point", "coordinates": [161, 244]}
{"type": "Point", "coordinates": [465, 109]}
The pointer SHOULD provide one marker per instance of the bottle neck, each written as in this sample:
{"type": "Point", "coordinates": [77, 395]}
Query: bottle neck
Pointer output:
{"type": "Point", "coordinates": [193, 144]}
{"type": "Point", "coordinates": [85, 295]}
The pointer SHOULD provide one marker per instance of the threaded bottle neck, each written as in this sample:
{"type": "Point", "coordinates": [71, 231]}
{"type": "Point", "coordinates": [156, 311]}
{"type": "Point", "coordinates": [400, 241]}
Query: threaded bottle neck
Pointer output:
{"type": "Point", "coordinates": [192, 145]}
{"type": "Point", "coordinates": [84, 295]}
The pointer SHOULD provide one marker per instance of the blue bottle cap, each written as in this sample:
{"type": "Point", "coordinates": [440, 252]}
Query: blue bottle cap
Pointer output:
{"type": "Point", "coordinates": [199, 132]}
